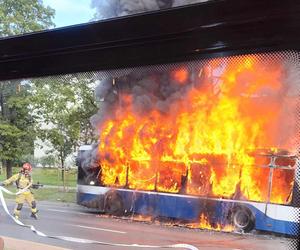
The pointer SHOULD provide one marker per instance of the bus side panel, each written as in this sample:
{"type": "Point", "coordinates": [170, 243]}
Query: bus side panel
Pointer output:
{"type": "Point", "coordinates": [183, 208]}
{"type": "Point", "coordinates": [160, 205]}
{"type": "Point", "coordinates": [262, 222]}
{"type": "Point", "coordinates": [191, 209]}
{"type": "Point", "coordinates": [138, 202]}
{"type": "Point", "coordinates": [91, 196]}
{"type": "Point", "coordinates": [275, 220]}
{"type": "Point", "coordinates": [220, 212]}
{"type": "Point", "coordinates": [286, 227]}
{"type": "Point", "coordinates": [278, 218]}
{"type": "Point", "coordinates": [91, 200]}
{"type": "Point", "coordinates": [175, 206]}
{"type": "Point", "coordinates": [286, 220]}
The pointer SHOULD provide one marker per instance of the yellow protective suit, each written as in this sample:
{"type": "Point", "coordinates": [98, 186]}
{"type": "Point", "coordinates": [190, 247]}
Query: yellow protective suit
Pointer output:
{"type": "Point", "coordinates": [23, 180]}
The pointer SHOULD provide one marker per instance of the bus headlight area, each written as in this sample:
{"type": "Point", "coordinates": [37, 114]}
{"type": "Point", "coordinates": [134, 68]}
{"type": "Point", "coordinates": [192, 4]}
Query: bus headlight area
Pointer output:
{"type": "Point", "coordinates": [211, 145]}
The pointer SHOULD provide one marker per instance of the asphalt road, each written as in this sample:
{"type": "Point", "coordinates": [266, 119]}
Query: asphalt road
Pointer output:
{"type": "Point", "coordinates": [75, 221]}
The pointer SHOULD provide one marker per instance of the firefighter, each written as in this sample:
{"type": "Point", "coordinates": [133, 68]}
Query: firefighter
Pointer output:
{"type": "Point", "coordinates": [23, 179]}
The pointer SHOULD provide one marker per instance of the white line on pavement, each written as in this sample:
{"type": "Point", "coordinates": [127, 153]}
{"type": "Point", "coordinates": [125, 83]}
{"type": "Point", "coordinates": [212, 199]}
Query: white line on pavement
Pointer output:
{"type": "Point", "coordinates": [100, 229]}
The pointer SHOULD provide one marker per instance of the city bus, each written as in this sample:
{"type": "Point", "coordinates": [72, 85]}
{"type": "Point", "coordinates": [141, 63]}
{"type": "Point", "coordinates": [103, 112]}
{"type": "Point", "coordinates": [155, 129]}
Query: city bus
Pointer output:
{"type": "Point", "coordinates": [200, 125]}
{"type": "Point", "coordinates": [243, 215]}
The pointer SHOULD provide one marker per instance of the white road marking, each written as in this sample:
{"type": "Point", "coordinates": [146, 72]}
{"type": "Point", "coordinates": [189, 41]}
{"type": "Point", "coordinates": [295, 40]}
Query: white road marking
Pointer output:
{"type": "Point", "coordinates": [100, 229]}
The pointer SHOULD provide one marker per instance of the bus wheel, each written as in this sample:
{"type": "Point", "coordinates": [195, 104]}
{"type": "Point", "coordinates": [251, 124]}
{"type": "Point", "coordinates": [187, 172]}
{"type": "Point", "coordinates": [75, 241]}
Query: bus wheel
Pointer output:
{"type": "Point", "coordinates": [114, 204]}
{"type": "Point", "coordinates": [243, 219]}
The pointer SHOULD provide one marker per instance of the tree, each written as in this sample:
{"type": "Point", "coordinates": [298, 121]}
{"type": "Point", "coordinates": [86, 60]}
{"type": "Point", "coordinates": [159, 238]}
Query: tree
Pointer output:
{"type": "Point", "coordinates": [17, 17]}
{"type": "Point", "coordinates": [16, 120]}
{"type": "Point", "coordinates": [63, 106]}
{"type": "Point", "coordinates": [86, 107]}
{"type": "Point", "coordinates": [47, 160]}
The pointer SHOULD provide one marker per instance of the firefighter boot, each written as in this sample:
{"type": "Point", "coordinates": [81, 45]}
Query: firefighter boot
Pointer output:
{"type": "Point", "coordinates": [18, 210]}
{"type": "Point", "coordinates": [33, 215]}
{"type": "Point", "coordinates": [33, 210]}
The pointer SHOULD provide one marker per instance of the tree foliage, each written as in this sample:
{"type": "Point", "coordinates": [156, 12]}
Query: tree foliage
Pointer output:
{"type": "Point", "coordinates": [63, 106]}
{"type": "Point", "coordinates": [16, 122]}
{"type": "Point", "coordinates": [54, 109]}
{"type": "Point", "coordinates": [22, 16]}
{"type": "Point", "coordinates": [16, 119]}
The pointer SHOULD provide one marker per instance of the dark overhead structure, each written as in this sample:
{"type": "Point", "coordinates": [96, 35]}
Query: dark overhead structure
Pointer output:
{"type": "Point", "coordinates": [202, 30]}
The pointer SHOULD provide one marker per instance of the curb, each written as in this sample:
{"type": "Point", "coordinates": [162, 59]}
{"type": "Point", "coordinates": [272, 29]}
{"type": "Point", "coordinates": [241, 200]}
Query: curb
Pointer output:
{"type": "Point", "coordinates": [15, 244]}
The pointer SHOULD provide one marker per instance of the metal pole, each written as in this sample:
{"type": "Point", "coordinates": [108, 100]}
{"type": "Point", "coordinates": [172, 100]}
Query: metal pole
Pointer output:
{"type": "Point", "coordinates": [272, 165]}
{"type": "Point", "coordinates": [127, 173]}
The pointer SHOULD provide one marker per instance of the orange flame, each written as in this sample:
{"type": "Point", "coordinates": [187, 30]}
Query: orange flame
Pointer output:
{"type": "Point", "coordinates": [180, 75]}
{"type": "Point", "coordinates": [205, 224]}
{"type": "Point", "coordinates": [231, 110]}
{"type": "Point", "coordinates": [144, 218]}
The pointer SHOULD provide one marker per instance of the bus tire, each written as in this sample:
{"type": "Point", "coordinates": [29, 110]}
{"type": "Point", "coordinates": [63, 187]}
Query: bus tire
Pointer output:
{"type": "Point", "coordinates": [243, 219]}
{"type": "Point", "coordinates": [114, 204]}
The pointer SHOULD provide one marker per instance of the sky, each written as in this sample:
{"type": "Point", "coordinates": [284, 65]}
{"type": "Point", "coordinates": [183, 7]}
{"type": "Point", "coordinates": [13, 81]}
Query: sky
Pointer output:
{"type": "Point", "coordinates": [70, 12]}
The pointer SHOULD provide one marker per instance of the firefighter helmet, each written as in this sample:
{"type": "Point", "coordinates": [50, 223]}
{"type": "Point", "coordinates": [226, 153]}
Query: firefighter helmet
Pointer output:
{"type": "Point", "coordinates": [27, 166]}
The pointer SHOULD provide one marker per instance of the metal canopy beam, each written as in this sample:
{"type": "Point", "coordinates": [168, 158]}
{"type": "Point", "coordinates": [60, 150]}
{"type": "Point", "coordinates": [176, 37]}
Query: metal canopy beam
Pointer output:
{"type": "Point", "coordinates": [202, 30]}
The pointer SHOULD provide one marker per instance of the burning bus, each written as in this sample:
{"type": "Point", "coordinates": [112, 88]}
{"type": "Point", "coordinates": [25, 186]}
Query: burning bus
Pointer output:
{"type": "Point", "coordinates": [198, 115]}
{"type": "Point", "coordinates": [208, 142]}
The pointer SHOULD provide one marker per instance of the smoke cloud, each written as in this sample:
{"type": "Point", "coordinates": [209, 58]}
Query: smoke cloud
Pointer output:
{"type": "Point", "coordinates": [115, 8]}
{"type": "Point", "coordinates": [160, 89]}
{"type": "Point", "coordinates": [149, 88]}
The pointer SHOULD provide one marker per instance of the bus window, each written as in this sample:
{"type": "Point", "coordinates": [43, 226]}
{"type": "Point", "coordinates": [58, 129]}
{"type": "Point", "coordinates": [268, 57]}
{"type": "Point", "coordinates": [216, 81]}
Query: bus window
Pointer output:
{"type": "Point", "coordinates": [169, 178]}
{"type": "Point", "coordinates": [199, 179]}
{"type": "Point", "coordinates": [140, 175]}
{"type": "Point", "coordinates": [255, 183]}
{"type": "Point", "coordinates": [282, 186]}
{"type": "Point", "coordinates": [114, 177]}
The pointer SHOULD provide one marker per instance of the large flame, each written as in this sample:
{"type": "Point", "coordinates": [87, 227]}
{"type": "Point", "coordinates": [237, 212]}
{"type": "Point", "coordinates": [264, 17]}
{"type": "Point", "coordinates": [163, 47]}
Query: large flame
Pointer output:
{"type": "Point", "coordinates": [207, 142]}
{"type": "Point", "coordinates": [205, 224]}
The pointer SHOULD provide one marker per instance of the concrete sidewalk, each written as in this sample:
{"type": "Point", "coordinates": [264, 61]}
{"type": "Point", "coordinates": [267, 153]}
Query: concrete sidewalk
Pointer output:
{"type": "Point", "coordinates": [15, 244]}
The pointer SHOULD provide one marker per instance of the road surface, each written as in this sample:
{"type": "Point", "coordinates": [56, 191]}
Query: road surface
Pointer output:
{"type": "Point", "coordinates": [75, 221]}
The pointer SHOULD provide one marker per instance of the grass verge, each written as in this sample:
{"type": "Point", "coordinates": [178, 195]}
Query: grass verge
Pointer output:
{"type": "Point", "coordinates": [49, 176]}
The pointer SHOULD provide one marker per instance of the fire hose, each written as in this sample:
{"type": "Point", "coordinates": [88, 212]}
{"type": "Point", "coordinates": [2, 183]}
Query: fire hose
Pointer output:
{"type": "Point", "coordinates": [78, 240]}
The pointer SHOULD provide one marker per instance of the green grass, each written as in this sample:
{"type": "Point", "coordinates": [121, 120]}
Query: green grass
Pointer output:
{"type": "Point", "coordinates": [54, 194]}
{"type": "Point", "coordinates": [53, 176]}
{"type": "Point", "coordinates": [49, 176]}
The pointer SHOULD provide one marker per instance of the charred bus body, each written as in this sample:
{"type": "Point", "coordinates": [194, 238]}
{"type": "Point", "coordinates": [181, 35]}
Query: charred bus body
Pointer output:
{"type": "Point", "coordinates": [217, 213]}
